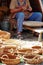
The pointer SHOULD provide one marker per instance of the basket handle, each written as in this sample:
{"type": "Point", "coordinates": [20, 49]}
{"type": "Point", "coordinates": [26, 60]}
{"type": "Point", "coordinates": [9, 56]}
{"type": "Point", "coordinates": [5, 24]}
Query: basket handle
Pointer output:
{"type": "Point", "coordinates": [36, 57]}
{"type": "Point", "coordinates": [4, 56]}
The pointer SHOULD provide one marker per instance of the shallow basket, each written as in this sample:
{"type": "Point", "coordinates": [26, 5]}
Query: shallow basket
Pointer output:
{"type": "Point", "coordinates": [35, 60]}
{"type": "Point", "coordinates": [24, 51]}
{"type": "Point", "coordinates": [36, 47]}
{"type": "Point", "coordinates": [4, 35]}
{"type": "Point", "coordinates": [10, 61]}
{"type": "Point", "coordinates": [10, 49]}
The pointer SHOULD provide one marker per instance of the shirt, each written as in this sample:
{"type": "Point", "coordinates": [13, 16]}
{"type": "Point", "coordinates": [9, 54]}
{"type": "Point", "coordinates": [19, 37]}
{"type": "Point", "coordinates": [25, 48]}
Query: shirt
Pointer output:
{"type": "Point", "coordinates": [15, 3]}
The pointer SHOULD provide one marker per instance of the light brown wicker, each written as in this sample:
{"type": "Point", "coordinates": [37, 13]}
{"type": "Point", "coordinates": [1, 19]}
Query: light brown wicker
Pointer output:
{"type": "Point", "coordinates": [36, 47]}
{"type": "Point", "coordinates": [24, 51]}
{"type": "Point", "coordinates": [10, 49]}
{"type": "Point", "coordinates": [37, 51]}
{"type": "Point", "coordinates": [4, 35]}
{"type": "Point", "coordinates": [33, 59]}
{"type": "Point", "coordinates": [10, 61]}
{"type": "Point", "coordinates": [6, 60]}
{"type": "Point", "coordinates": [1, 51]}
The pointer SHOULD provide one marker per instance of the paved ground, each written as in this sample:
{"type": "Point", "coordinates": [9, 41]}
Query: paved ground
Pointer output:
{"type": "Point", "coordinates": [28, 35]}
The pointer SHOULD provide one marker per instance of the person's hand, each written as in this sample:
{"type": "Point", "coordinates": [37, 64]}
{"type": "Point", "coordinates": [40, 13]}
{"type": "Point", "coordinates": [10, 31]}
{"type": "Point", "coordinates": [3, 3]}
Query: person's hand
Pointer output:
{"type": "Point", "coordinates": [24, 8]}
{"type": "Point", "coordinates": [29, 9]}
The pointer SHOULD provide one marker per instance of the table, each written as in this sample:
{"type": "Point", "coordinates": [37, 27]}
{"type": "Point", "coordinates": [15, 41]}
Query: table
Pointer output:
{"type": "Point", "coordinates": [33, 25]}
{"type": "Point", "coordinates": [40, 31]}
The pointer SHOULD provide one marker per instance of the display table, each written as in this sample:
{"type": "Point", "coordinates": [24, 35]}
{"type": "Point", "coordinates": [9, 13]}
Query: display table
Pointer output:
{"type": "Point", "coordinates": [40, 31]}
{"type": "Point", "coordinates": [34, 26]}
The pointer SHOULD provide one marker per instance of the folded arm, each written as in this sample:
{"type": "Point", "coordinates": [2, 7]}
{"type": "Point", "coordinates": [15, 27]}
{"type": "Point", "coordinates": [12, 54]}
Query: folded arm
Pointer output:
{"type": "Point", "coordinates": [15, 10]}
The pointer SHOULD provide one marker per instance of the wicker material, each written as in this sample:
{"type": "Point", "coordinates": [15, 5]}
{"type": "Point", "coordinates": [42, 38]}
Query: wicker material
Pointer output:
{"type": "Point", "coordinates": [24, 51]}
{"type": "Point", "coordinates": [36, 47]}
{"type": "Point", "coordinates": [4, 35]}
{"type": "Point", "coordinates": [10, 49]}
{"type": "Point", "coordinates": [1, 51]}
{"type": "Point", "coordinates": [8, 60]}
{"type": "Point", "coordinates": [33, 59]}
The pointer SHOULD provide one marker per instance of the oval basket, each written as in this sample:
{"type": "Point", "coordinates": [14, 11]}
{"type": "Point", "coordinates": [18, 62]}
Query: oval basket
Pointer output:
{"type": "Point", "coordinates": [24, 51]}
{"type": "Point", "coordinates": [4, 35]}
{"type": "Point", "coordinates": [35, 60]}
{"type": "Point", "coordinates": [10, 61]}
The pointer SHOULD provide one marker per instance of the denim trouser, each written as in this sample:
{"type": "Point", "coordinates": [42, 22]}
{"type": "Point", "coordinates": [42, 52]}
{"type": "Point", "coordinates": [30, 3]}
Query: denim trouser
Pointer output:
{"type": "Point", "coordinates": [36, 16]}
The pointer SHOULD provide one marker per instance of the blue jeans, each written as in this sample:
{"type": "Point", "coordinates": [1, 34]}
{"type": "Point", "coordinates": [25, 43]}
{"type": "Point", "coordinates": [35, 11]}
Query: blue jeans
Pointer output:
{"type": "Point", "coordinates": [36, 16]}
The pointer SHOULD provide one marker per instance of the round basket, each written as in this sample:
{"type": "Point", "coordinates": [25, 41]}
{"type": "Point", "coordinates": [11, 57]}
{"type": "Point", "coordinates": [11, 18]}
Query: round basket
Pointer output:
{"type": "Point", "coordinates": [10, 49]}
{"type": "Point", "coordinates": [10, 61]}
{"type": "Point", "coordinates": [24, 51]}
{"type": "Point", "coordinates": [4, 35]}
{"type": "Point", "coordinates": [33, 59]}
{"type": "Point", "coordinates": [36, 47]}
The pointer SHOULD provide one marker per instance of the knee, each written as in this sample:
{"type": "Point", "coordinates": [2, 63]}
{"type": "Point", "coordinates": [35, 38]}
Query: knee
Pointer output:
{"type": "Point", "coordinates": [39, 14]}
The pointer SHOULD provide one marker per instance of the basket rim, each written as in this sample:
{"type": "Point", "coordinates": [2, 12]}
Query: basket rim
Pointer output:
{"type": "Point", "coordinates": [9, 59]}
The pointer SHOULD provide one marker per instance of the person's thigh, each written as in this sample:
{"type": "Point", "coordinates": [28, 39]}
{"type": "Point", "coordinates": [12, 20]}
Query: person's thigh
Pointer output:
{"type": "Point", "coordinates": [20, 15]}
{"type": "Point", "coordinates": [36, 16]}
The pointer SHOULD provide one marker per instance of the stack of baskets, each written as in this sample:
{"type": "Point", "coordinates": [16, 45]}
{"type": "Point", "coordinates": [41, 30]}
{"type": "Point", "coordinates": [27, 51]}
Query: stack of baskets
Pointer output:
{"type": "Point", "coordinates": [4, 35]}
{"type": "Point", "coordinates": [12, 55]}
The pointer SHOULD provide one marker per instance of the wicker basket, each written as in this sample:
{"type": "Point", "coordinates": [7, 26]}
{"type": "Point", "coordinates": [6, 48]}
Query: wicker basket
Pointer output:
{"type": "Point", "coordinates": [36, 47]}
{"type": "Point", "coordinates": [1, 51]}
{"type": "Point", "coordinates": [10, 49]}
{"type": "Point", "coordinates": [24, 51]}
{"type": "Point", "coordinates": [4, 34]}
{"type": "Point", "coordinates": [37, 51]}
{"type": "Point", "coordinates": [6, 60]}
{"type": "Point", "coordinates": [35, 59]}
{"type": "Point", "coordinates": [10, 61]}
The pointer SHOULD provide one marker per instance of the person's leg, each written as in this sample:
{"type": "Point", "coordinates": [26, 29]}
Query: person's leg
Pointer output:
{"type": "Point", "coordinates": [20, 19]}
{"type": "Point", "coordinates": [36, 16]}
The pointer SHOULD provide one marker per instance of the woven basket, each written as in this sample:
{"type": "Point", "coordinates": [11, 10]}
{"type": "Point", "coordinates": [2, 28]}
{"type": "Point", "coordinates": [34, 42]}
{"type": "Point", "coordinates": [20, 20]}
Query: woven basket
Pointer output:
{"type": "Point", "coordinates": [10, 49]}
{"type": "Point", "coordinates": [1, 51]}
{"type": "Point", "coordinates": [10, 61]}
{"type": "Point", "coordinates": [36, 59]}
{"type": "Point", "coordinates": [24, 51]}
{"type": "Point", "coordinates": [4, 35]}
{"type": "Point", "coordinates": [36, 47]}
{"type": "Point", "coordinates": [6, 60]}
{"type": "Point", "coordinates": [37, 51]}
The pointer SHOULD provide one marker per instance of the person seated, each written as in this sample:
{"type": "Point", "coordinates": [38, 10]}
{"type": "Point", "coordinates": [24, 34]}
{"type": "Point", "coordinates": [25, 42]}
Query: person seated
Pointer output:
{"type": "Point", "coordinates": [21, 9]}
